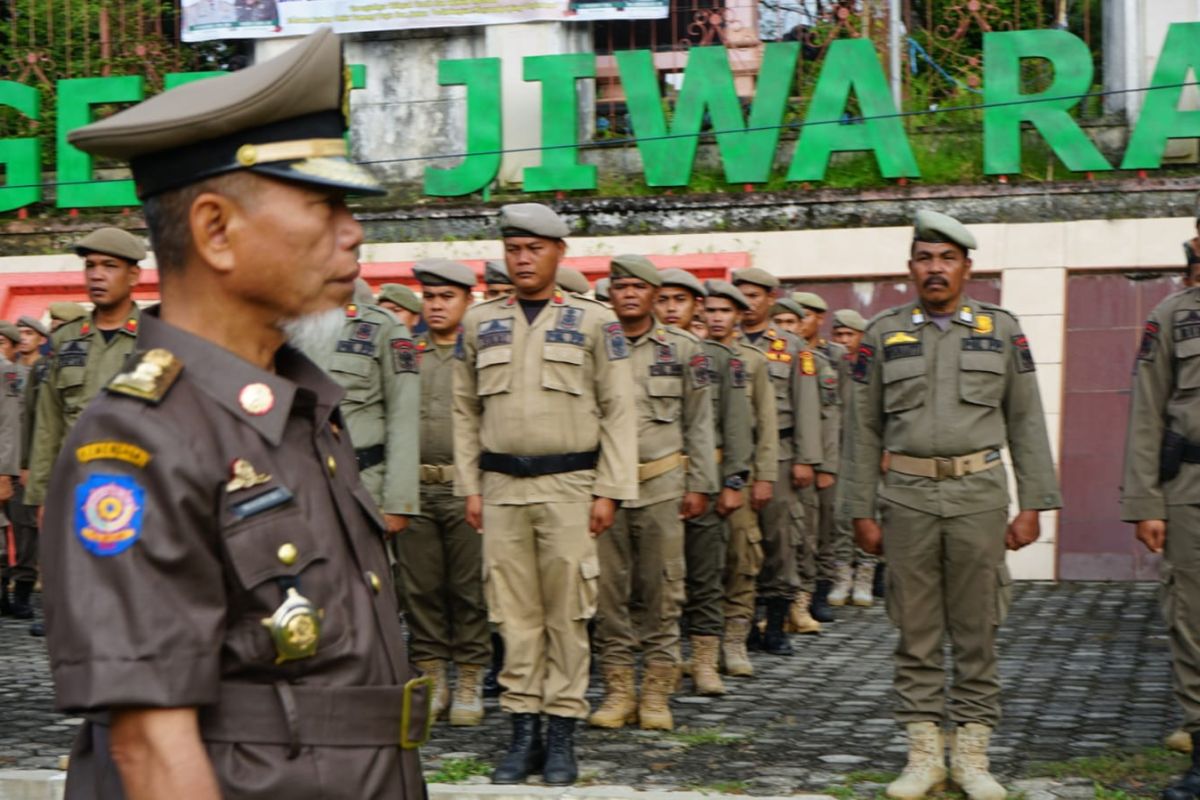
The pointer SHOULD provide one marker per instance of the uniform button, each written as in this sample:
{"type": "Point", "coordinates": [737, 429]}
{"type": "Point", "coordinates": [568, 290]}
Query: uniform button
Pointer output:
{"type": "Point", "coordinates": [287, 553]}
{"type": "Point", "coordinates": [332, 464]}
{"type": "Point", "coordinates": [373, 579]}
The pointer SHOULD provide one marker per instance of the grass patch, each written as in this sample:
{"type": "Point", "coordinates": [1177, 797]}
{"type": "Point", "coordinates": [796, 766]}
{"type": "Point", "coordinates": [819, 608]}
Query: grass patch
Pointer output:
{"type": "Point", "coordinates": [1120, 776]}
{"type": "Point", "coordinates": [720, 787]}
{"type": "Point", "coordinates": [702, 736]}
{"type": "Point", "coordinates": [457, 770]}
{"type": "Point", "coordinates": [869, 776]}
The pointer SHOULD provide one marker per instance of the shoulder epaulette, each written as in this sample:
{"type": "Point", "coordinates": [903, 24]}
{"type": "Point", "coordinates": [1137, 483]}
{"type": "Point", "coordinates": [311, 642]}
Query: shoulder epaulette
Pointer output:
{"type": "Point", "coordinates": [681, 333]}
{"type": "Point", "coordinates": [147, 375]}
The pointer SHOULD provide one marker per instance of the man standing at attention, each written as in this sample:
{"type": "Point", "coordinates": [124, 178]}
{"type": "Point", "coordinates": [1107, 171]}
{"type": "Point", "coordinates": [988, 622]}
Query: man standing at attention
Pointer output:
{"type": "Point", "coordinates": [942, 384]}
{"type": "Point", "coordinates": [545, 446]}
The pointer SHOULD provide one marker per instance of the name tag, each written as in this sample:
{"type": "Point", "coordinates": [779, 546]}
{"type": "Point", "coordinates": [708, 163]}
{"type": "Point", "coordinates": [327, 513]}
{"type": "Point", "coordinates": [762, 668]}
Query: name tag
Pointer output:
{"type": "Point", "coordinates": [356, 348]}
{"type": "Point", "coordinates": [272, 498]}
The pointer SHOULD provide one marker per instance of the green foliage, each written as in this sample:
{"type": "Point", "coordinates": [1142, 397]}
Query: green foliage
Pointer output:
{"type": "Point", "coordinates": [457, 770]}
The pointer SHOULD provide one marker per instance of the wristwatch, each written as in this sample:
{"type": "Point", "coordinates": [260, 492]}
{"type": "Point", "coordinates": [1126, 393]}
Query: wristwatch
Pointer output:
{"type": "Point", "coordinates": [735, 482]}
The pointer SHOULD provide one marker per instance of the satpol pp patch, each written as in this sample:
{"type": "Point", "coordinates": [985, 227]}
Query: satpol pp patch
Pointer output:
{"type": "Point", "coordinates": [108, 513]}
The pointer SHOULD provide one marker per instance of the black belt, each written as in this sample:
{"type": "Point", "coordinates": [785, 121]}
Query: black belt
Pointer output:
{"type": "Point", "coordinates": [369, 457]}
{"type": "Point", "coordinates": [1191, 453]}
{"type": "Point", "coordinates": [533, 466]}
{"type": "Point", "coordinates": [786, 433]}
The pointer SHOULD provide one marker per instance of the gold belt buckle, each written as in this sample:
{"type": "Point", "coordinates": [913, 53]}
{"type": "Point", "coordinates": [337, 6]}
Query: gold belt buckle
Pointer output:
{"type": "Point", "coordinates": [406, 712]}
{"type": "Point", "coordinates": [944, 468]}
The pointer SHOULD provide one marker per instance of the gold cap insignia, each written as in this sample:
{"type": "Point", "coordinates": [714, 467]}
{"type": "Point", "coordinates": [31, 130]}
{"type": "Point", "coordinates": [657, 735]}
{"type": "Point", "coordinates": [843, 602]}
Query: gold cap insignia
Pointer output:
{"type": "Point", "coordinates": [245, 476]}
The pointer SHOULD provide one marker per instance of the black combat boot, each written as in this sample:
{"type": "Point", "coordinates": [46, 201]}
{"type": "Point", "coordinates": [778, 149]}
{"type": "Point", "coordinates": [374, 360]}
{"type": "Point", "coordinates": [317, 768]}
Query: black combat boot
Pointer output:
{"type": "Point", "coordinates": [560, 768]}
{"type": "Point", "coordinates": [37, 629]}
{"type": "Point", "coordinates": [5, 599]}
{"type": "Point", "coordinates": [754, 639]}
{"type": "Point", "coordinates": [819, 607]}
{"type": "Point", "coordinates": [525, 752]}
{"type": "Point", "coordinates": [775, 641]}
{"type": "Point", "coordinates": [21, 608]}
{"type": "Point", "coordinates": [878, 588]}
{"type": "Point", "coordinates": [491, 681]}
{"type": "Point", "coordinates": [1189, 787]}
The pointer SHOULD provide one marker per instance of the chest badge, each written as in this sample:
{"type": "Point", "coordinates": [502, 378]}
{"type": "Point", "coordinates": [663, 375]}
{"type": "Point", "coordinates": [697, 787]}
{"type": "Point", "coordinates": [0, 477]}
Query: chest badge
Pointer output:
{"type": "Point", "coordinates": [256, 399]}
{"type": "Point", "coordinates": [245, 476]}
{"type": "Point", "coordinates": [984, 325]}
{"type": "Point", "coordinates": [295, 627]}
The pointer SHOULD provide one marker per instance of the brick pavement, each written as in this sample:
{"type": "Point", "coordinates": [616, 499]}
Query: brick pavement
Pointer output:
{"type": "Point", "coordinates": [1084, 667]}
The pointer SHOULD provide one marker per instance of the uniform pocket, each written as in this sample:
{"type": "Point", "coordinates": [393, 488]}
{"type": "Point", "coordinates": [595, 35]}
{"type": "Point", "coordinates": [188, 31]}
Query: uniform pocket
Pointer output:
{"type": "Point", "coordinates": [562, 368]}
{"type": "Point", "coordinates": [493, 368]}
{"type": "Point", "coordinates": [981, 378]}
{"type": "Point", "coordinates": [69, 383]}
{"type": "Point", "coordinates": [665, 398]}
{"type": "Point", "coordinates": [589, 588]}
{"type": "Point", "coordinates": [276, 546]}
{"type": "Point", "coordinates": [904, 384]}
{"type": "Point", "coordinates": [1187, 354]}
{"type": "Point", "coordinates": [352, 372]}
{"type": "Point", "coordinates": [1004, 592]}
{"type": "Point", "coordinates": [490, 596]}
{"type": "Point", "coordinates": [675, 587]}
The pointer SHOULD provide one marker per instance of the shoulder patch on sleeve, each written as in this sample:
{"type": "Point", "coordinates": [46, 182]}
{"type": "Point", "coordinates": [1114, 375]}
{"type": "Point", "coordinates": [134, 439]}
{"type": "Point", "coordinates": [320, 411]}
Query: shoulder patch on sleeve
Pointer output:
{"type": "Point", "coordinates": [615, 342]}
{"type": "Point", "coordinates": [862, 364]}
{"type": "Point", "coordinates": [737, 373]}
{"type": "Point", "coordinates": [404, 356]}
{"type": "Point", "coordinates": [1024, 356]}
{"type": "Point", "coordinates": [459, 352]}
{"type": "Point", "coordinates": [147, 376]}
{"type": "Point", "coordinates": [108, 513]}
{"type": "Point", "coordinates": [1149, 338]}
{"type": "Point", "coordinates": [700, 368]}
{"type": "Point", "coordinates": [808, 364]}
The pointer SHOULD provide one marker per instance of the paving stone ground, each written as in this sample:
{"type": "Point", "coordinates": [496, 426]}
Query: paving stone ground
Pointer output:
{"type": "Point", "coordinates": [1084, 667]}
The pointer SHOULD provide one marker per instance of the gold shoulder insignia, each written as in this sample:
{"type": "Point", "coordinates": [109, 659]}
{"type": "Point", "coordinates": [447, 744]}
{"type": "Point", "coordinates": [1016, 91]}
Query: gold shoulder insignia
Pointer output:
{"type": "Point", "coordinates": [147, 376]}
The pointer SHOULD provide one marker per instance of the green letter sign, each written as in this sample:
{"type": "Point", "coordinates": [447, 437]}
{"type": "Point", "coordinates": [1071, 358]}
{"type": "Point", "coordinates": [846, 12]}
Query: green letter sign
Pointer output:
{"type": "Point", "coordinates": [484, 132]}
{"type": "Point", "coordinates": [1161, 118]}
{"type": "Point", "coordinates": [21, 157]}
{"type": "Point", "coordinates": [851, 64]}
{"type": "Point", "coordinates": [560, 167]}
{"type": "Point", "coordinates": [76, 97]}
{"type": "Point", "coordinates": [1072, 62]}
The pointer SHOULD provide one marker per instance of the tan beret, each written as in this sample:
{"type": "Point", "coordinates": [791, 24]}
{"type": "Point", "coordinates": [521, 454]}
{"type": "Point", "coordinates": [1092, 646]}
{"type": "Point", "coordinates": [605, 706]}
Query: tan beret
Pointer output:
{"type": "Point", "coordinates": [572, 280]}
{"type": "Point", "coordinates": [282, 118]}
{"type": "Point", "coordinates": [496, 272]}
{"type": "Point", "coordinates": [849, 318]}
{"type": "Point", "coordinates": [757, 276]}
{"type": "Point", "coordinates": [811, 300]}
{"type": "Point", "coordinates": [635, 266]}
{"type": "Point", "coordinates": [441, 271]}
{"type": "Point", "coordinates": [401, 295]}
{"type": "Point", "coordinates": [719, 288]}
{"type": "Point", "coordinates": [34, 324]}
{"type": "Point", "coordinates": [532, 219]}
{"type": "Point", "coordinates": [66, 312]}
{"type": "Point", "coordinates": [112, 242]}
{"type": "Point", "coordinates": [937, 228]}
{"type": "Point", "coordinates": [683, 279]}
{"type": "Point", "coordinates": [602, 289]}
{"type": "Point", "coordinates": [9, 331]}
{"type": "Point", "coordinates": [786, 305]}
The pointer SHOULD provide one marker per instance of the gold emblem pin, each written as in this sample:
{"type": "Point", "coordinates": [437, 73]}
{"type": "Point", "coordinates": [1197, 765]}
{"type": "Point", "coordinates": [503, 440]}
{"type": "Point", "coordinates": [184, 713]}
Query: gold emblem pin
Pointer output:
{"type": "Point", "coordinates": [295, 627]}
{"type": "Point", "coordinates": [256, 399]}
{"type": "Point", "coordinates": [245, 476]}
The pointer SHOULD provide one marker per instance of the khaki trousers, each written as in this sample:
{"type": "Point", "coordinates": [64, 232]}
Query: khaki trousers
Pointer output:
{"type": "Point", "coordinates": [641, 578]}
{"type": "Point", "coordinates": [835, 538]}
{"type": "Point", "coordinates": [946, 576]}
{"type": "Point", "coordinates": [743, 562]}
{"type": "Point", "coordinates": [707, 540]}
{"type": "Point", "coordinates": [440, 561]}
{"type": "Point", "coordinates": [781, 523]}
{"type": "Point", "coordinates": [808, 540]}
{"type": "Point", "coordinates": [540, 580]}
{"type": "Point", "coordinates": [1180, 598]}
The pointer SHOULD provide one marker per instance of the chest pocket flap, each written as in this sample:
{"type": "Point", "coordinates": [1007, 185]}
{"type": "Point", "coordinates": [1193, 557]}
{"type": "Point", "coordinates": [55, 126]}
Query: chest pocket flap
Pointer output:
{"type": "Point", "coordinates": [904, 383]}
{"type": "Point", "coordinates": [354, 365]}
{"type": "Point", "coordinates": [1187, 354]}
{"type": "Point", "coordinates": [493, 370]}
{"type": "Point", "coordinates": [981, 378]}
{"type": "Point", "coordinates": [255, 545]}
{"type": "Point", "coordinates": [562, 368]}
{"type": "Point", "coordinates": [665, 394]}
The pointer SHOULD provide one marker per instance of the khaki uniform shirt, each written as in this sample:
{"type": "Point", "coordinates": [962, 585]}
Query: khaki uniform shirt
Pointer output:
{"type": "Point", "coordinates": [675, 413]}
{"type": "Point", "coordinates": [10, 419]}
{"type": "Point", "coordinates": [924, 392]}
{"type": "Point", "coordinates": [1166, 376]}
{"type": "Point", "coordinates": [83, 362]}
{"type": "Point", "coordinates": [843, 360]}
{"type": "Point", "coordinates": [181, 568]}
{"type": "Point", "coordinates": [793, 370]}
{"type": "Point", "coordinates": [761, 395]}
{"type": "Point", "coordinates": [376, 362]}
{"type": "Point", "coordinates": [437, 396]}
{"type": "Point", "coordinates": [831, 413]}
{"type": "Point", "coordinates": [560, 385]}
{"type": "Point", "coordinates": [732, 419]}
{"type": "Point", "coordinates": [34, 379]}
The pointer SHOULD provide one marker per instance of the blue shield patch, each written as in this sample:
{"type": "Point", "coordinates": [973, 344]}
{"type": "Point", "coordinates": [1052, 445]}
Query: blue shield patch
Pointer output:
{"type": "Point", "coordinates": [108, 513]}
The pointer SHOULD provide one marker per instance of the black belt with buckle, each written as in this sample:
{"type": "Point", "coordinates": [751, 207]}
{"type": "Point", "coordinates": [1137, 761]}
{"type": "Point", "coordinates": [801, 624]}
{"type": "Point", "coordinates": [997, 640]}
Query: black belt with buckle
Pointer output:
{"type": "Point", "coordinates": [533, 466]}
{"type": "Point", "coordinates": [786, 433]}
{"type": "Point", "coordinates": [369, 457]}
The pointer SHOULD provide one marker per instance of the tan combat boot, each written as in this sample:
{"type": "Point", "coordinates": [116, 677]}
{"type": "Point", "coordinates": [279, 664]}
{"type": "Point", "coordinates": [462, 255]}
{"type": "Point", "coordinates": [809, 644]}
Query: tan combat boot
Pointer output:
{"type": "Point", "coordinates": [654, 711]}
{"type": "Point", "coordinates": [926, 767]}
{"type": "Point", "coordinates": [466, 710]}
{"type": "Point", "coordinates": [800, 620]}
{"type": "Point", "coordinates": [733, 648]}
{"type": "Point", "coordinates": [864, 586]}
{"type": "Point", "coordinates": [620, 705]}
{"type": "Point", "coordinates": [1180, 741]}
{"type": "Point", "coordinates": [969, 763]}
{"type": "Point", "coordinates": [436, 670]}
{"type": "Point", "coordinates": [705, 652]}
{"type": "Point", "coordinates": [843, 579]}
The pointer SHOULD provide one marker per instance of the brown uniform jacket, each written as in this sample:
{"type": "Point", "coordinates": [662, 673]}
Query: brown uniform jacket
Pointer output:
{"type": "Point", "coordinates": [159, 574]}
{"type": "Point", "coordinates": [923, 392]}
{"type": "Point", "coordinates": [437, 400]}
{"type": "Point", "coordinates": [561, 385]}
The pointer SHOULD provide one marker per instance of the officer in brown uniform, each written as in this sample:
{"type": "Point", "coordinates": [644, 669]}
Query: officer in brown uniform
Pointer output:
{"type": "Point", "coordinates": [401, 301]}
{"type": "Point", "coordinates": [87, 352]}
{"type": "Point", "coordinates": [440, 556]}
{"type": "Point", "coordinates": [793, 372]}
{"type": "Point", "coordinates": [942, 384]}
{"type": "Point", "coordinates": [642, 556]}
{"type": "Point", "coordinates": [496, 282]}
{"type": "Point", "coordinates": [545, 446]}
{"type": "Point", "coordinates": [218, 596]}
{"type": "Point", "coordinates": [1161, 494]}
{"type": "Point", "coordinates": [723, 308]}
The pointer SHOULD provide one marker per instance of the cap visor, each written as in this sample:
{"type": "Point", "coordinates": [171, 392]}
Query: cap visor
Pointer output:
{"type": "Point", "coordinates": [328, 172]}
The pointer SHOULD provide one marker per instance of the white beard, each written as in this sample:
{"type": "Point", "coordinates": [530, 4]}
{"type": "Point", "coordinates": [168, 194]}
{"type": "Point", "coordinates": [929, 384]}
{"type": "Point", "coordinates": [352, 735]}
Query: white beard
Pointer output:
{"type": "Point", "coordinates": [316, 335]}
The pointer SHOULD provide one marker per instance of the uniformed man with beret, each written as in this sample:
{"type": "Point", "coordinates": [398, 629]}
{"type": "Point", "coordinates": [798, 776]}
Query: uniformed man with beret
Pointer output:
{"type": "Point", "coordinates": [642, 556]}
{"type": "Point", "coordinates": [793, 372]}
{"type": "Point", "coordinates": [573, 281]}
{"type": "Point", "coordinates": [859, 589]}
{"type": "Point", "coordinates": [89, 351]}
{"type": "Point", "coordinates": [545, 447]}
{"type": "Point", "coordinates": [402, 302]}
{"type": "Point", "coordinates": [496, 282]}
{"type": "Point", "coordinates": [723, 309]}
{"type": "Point", "coordinates": [943, 384]}
{"type": "Point", "coordinates": [1160, 493]}
{"type": "Point", "coordinates": [218, 597]}
{"type": "Point", "coordinates": [10, 457]}
{"type": "Point", "coordinates": [440, 556]}
{"type": "Point", "coordinates": [707, 539]}
{"type": "Point", "coordinates": [786, 313]}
